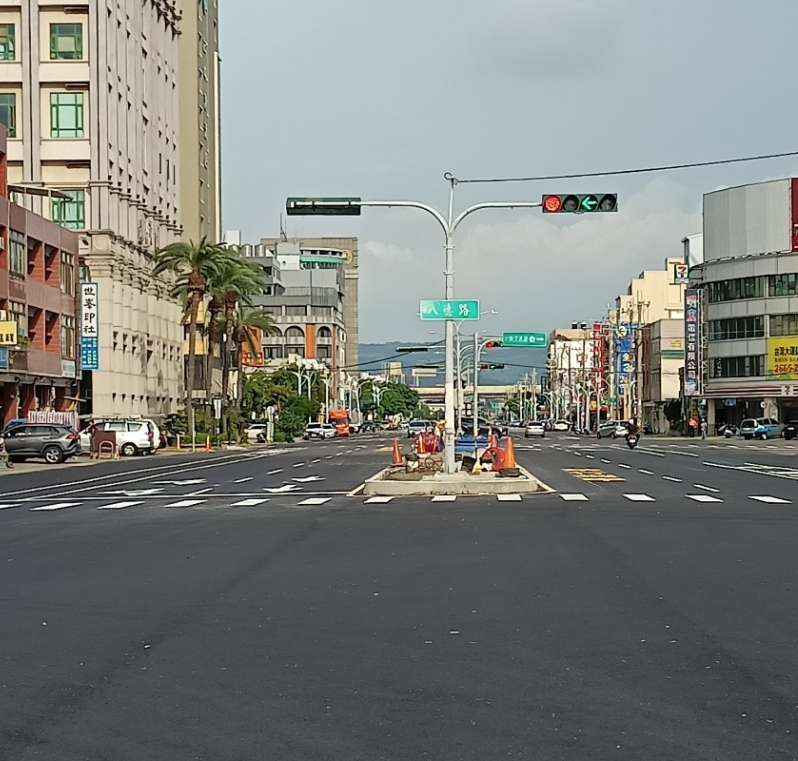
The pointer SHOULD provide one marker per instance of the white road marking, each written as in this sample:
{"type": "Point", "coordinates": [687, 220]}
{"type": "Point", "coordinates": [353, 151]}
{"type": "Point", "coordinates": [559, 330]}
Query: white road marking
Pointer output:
{"type": "Point", "coordinates": [606, 461]}
{"type": "Point", "coordinates": [187, 503]}
{"type": "Point", "coordinates": [639, 498]}
{"type": "Point", "coordinates": [578, 454]}
{"type": "Point", "coordinates": [274, 472]}
{"type": "Point", "coordinates": [188, 482]}
{"type": "Point", "coordinates": [378, 500]}
{"type": "Point", "coordinates": [772, 500]}
{"type": "Point", "coordinates": [590, 457]}
{"type": "Point", "coordinates": [706, 488]}
{"type": "Point", "coordinates": [328, 457]}
{"type": "Point", "coordinates": [645, 472]}
{"type": "Point", "coordinates": [318, 459]}
{"type": "Point", "coordinates": [201, 491]}
{"type": "Point", "coordinates": [574, 497]}
{"type": "Point", "coordinates": [308, 479]}
{"type": "Point", "coordinates": [508, 497]}
{"type": "Point", "coordinates": [134, 492]}
{"type": "Point", "coordinates": [339, 454]}
{"type": "Point", "coordinates": [298, 465]}
{"type": "Point", "coordinates": [315, 501]}
{"type": "Point", "coordinates": [672, 478]}
{"type": "Point", "coordinates": [444, 498]}
{"type": "Point", "coordinates": [119, 505]}
{"type": "Point", "coordinates": [244, 480]}
{"type": "Point", "coordinates": [5, 507]}
{"type": "Point", "coordinates": [703, 498]}
{"type": "Point", "coordinates": [627, 467]}
{"type": "Point", "coordinates": [57, 506]}
{"type": "Point", "coordinates": [281, 489]}
{"type": "Point", "coordinates": [249, 502]}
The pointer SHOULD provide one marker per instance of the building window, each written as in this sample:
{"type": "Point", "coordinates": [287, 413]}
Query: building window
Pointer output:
{"type": "Point", "coordinates": [294, 333]}
{"type": "Point", "coordinates": [324, 351]}
{"type": "Point", "coordinates": [736, 327]}
{"type": "Point", "coordinates": [67, 337]}
{"type": "Point", "coordinates": [8, 42]}
{"type": "Point", "coordinates": [8, 112]}
{"type": "Point", "coordinates": [782, 285]}
{"type": "Point", "coordinates": [68, 273]}
{"type": "Point", "coordinates": [66, 42]}
{"type": "Point", "coordinates": [17, 254]}
{"type": "Point", "coordinates": [70, 212]}
{"type": "Point", "coordinates": [66, 114]}
{"type": "Point", "coordinates": [273, 352]}
{"type": "Point", "coordinates": [734, 290]}
{"type": "Point", "coordinates": [784, 325]}
{"type": "Point", "coordinates": [738, 367]}
{"type": "Point", "coordinates": [296, 311]}
{"type": "Point", "coordinates": [19, 314]}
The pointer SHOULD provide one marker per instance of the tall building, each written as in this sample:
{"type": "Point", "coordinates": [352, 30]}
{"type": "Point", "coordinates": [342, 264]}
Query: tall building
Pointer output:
{"type": "Point", "coordinates": [90, 97]}
{"type": "Point", "coordinates": [200, 148]}
{"type": "Point", "coordinates": [38, 311]}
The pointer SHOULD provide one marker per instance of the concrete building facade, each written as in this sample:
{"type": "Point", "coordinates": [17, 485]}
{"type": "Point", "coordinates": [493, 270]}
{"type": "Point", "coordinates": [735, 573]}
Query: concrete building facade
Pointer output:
{"type": "Point", "coordinates": [90, 96]}
{"type": "Point", "coordinates": [661, 359]}
{"type": "Point", "coordinates": [200, 146]}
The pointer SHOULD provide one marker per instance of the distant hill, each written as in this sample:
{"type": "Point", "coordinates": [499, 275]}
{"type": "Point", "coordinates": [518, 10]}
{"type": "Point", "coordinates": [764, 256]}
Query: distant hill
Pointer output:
{"type": "Point", "coordinates": [518, 362]}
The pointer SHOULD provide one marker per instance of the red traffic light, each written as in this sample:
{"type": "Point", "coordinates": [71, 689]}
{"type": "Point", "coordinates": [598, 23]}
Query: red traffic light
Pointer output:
{"type": "Point", "coordinates": [552, 204]}
{"type": "Point", "coordinates": [493, 345]}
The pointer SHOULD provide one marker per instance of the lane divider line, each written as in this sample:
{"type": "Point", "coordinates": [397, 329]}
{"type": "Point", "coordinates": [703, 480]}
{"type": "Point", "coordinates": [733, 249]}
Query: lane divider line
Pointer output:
{"type": "Point", "coordinates": [706, 488]}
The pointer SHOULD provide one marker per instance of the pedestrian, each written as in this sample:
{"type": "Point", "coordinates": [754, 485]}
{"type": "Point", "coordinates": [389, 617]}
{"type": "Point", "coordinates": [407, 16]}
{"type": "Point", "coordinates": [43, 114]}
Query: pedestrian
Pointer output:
{"type": "Point", "coordinates": [692, 425]}
{"type": "Point", "coordinates": [704, 427]}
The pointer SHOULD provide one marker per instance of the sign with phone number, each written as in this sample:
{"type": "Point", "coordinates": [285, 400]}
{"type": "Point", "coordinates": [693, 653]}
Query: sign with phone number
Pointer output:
{"type": "Point", "coordinates": [782, 358]}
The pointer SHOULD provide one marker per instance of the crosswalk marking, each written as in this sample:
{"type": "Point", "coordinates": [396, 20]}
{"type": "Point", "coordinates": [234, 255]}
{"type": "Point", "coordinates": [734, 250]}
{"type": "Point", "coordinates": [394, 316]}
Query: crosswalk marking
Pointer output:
{"type": "Point", "coordinates": [574, 497]}
{"type": "Point", "coordinates": [187, 503]}
{"type": "Point", "coordinates": [639, 498]}
{"type": "Point", "coordinates": [56, 506]}
{"type": "Point", "coordinates": [771, 500]}
{"type": "Point", "coordinates": [249, 502]}
{"type": "Point", "coordinates": [378, 500]}
{"type": "Point", "coordinates": [508, 497]}
{"type": "Point", "coordinates": [703, 498]}
{"type": "Point", "coordinates": [119, 505]}
{"type": "Point", "coordinates": [315, 500]}
{"type": "Point", "coordinates": [444, 498]}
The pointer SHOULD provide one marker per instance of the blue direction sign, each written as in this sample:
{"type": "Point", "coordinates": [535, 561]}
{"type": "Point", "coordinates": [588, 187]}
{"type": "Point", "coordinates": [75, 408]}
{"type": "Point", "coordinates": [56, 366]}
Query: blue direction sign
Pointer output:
{"type": "Point", "coordinates": [450, 309]}
{"type": "Point", "coordinates": [525, 339]}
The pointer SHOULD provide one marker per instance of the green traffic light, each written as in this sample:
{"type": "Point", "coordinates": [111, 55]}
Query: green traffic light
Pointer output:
{"type": "Point", "coordinates": [589, 203]}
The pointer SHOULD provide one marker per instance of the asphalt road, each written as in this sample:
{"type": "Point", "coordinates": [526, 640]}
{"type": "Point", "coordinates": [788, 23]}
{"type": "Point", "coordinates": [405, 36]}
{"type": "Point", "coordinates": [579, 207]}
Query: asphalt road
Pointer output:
{"type": "Point", "coordinates": [273, 616]}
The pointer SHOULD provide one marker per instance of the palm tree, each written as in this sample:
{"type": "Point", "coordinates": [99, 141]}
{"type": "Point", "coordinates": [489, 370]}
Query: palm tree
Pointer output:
{"type": "Point", "coordinates": [194, 266]}
{"type": "Point", "coordinates": [234, 284]}
{"type": "Point", "coordinates": [249, 326]}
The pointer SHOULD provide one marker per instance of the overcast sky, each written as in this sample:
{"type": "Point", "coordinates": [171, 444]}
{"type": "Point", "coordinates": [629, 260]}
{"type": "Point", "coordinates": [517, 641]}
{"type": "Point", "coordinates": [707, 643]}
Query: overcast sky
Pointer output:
{"type": "Point", "coordinates": [378, 100]}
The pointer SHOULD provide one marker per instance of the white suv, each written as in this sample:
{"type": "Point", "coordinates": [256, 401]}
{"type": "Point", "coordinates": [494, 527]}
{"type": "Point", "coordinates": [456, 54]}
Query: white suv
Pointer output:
{"type": "Point", "coordinates": [132, 436]}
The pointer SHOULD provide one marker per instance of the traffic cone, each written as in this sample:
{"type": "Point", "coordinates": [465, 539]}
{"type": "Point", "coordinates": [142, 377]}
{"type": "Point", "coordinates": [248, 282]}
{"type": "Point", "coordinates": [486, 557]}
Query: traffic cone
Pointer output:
{"type": "Point", "coordinates": [419, 445]}
{"type": "Point", "coordinates": [207, 443]}
{"type": "Point", "coordinates": [493, 442]}
{"type": "Point", "coordinates": [397, 454]}
{"type": "Point", "coordinates": [509, 454]}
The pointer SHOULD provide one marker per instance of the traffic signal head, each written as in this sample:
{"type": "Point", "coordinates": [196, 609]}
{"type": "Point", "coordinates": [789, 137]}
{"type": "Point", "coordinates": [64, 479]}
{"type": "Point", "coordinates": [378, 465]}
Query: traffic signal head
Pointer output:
{"type": "Point", "coordinates": [494, 345]}
{"type": "Point", "coordinates": [491, 366]}
{"type": "Point", "coordinates": [331, 207]}
{"type": "Point", "coordinates": [580, 204]}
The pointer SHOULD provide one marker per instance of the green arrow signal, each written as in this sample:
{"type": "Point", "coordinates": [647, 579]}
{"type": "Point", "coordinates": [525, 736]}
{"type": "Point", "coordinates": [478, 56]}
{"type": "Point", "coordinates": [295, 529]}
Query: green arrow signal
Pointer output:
{"type": "Point", "coordinates": [589, 203]}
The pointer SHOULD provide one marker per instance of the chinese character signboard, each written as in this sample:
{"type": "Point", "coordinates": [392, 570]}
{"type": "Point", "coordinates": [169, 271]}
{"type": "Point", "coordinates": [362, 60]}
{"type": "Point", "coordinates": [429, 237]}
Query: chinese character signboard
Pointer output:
{"type": "Point", "coordinates": [681, 274]}
{"type": "Point", "coordinates": [450, 309]}
{"type": "Point", "coordinates": [692, 342]}
{"type": "Point", "coordinates": [599, 353]}
{"type": "Point", "coordinates": [89, 327]}
{"type": "Point", "coordinates": [3, 358]}
{"type": "Point", "coordinates": [8, 333]}
{"type": "Point", "coordinates": [625, 364]}
{"type": "Point", "coordinates": [538, 340]}
{"type": "Point", "coordinates": [783, 358]}
{"type": "Point", "coordinates": [252, 348]}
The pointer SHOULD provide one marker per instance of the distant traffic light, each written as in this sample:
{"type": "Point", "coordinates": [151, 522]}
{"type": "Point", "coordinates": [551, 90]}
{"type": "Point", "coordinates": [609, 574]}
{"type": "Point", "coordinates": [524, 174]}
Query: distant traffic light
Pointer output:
{"type": "Point", "coordinates": [494, 345]}
{"type": "Point", "coordinates": [491, 366]}
{"type": "Point", "coordinates": [331, 207]}
{"type": "Point", "coordinates": [580, 204]}
{"type": "Point", "coordinates": [410, 349]}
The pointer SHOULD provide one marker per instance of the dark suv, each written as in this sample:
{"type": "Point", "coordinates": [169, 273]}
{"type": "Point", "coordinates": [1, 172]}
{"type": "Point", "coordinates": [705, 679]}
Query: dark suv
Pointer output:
{"type": "Point", "coordinates": [55, 443]}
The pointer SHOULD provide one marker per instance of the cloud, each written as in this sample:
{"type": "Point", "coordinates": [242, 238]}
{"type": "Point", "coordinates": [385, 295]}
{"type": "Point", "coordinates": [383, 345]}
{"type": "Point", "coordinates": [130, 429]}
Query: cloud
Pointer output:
{"type": "Point", "coordinates": [557, 38]}
{"type": "Point", "coordinates": [538, 272]}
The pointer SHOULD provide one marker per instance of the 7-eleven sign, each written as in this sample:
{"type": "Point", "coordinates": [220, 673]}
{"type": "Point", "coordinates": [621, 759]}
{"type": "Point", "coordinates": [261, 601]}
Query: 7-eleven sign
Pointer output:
{"type": "Point", "coordinates": [681, 274]}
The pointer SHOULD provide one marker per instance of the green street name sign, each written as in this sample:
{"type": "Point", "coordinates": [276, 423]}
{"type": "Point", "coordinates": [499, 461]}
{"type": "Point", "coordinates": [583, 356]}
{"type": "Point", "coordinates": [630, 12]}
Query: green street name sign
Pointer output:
{"type": "Point", "coordinates": [450, 309]}
{"type": "Point", "coordinates": [525, 339]}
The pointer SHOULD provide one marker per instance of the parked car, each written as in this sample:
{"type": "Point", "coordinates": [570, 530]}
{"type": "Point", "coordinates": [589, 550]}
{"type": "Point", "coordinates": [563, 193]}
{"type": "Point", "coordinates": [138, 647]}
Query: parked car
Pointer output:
{"type": "Point", "coordinates": [254, 430]}
{"type": "Point", "coordinates": [561, 425]}
{"type": "Point", "coordinates": [319, 431]}
{"type": "Point", "coordinates": [535, 428]}
{"type": "Point", "coordinates": [790, 430]}
{"type": "Point", "coordinates": [133, 437]}
{"type": "Point", "coordinates": [760, 428]}
{"type": "Point", "coordinates": [414, 427]}
{"type": "Point", "coordinates": [54, 443]}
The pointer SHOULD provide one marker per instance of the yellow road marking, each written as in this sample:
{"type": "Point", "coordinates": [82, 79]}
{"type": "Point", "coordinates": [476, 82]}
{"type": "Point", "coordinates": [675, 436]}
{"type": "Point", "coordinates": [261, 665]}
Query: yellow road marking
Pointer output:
{"type": "Point", "coordinates": [594, 475]}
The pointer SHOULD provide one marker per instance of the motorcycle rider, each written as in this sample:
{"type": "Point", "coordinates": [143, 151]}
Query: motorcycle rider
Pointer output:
{"type": "Point", "coordinates": [632, 429]}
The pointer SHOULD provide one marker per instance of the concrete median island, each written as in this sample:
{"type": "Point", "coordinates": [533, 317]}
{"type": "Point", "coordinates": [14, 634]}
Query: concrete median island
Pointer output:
{"type": "Point", "coordinates": [395, 482]}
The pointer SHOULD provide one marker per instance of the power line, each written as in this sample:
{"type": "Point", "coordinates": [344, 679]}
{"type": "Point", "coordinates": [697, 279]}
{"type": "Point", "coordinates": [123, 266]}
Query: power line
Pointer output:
{"type": "Point", "coordinates": [645, 170]}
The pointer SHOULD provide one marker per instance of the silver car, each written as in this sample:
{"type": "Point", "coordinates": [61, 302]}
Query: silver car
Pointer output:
{"type": "Point", "coordinates": [535, 428]}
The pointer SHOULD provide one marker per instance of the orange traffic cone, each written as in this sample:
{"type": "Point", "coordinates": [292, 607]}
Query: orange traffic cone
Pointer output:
{"type": "Point", "coordinates": [509, 454]}
{"type": "Point", "coordinates": [207, 443]}
{"type": "Point", "coordinates": [397, 454]}
{"type": "Point", "coordinates": [419, 445]}
{"type": "Point", "coordinates": [493, 442]}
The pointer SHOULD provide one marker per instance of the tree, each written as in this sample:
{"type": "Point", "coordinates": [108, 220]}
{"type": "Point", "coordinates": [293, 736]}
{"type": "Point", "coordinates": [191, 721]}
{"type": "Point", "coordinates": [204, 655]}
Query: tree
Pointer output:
{"type": "Point", "coordinates": [394, 399]}
{"type": "Point", "coordinates": [193, 265]}
{"type": "Point", "coordinates": [673, 412]}
{"type": "Point", "coordinates": [233, 284]}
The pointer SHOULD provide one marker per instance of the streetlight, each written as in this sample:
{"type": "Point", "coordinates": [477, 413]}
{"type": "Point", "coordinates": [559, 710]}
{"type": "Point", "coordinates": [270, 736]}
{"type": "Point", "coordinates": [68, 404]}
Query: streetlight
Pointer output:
{"type": "Point", "coordinates": [449, 224]}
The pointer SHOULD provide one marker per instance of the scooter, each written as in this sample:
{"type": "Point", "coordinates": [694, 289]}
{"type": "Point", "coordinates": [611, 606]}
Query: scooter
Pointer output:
{"type": "Point", "coordinates": [631, 440]}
